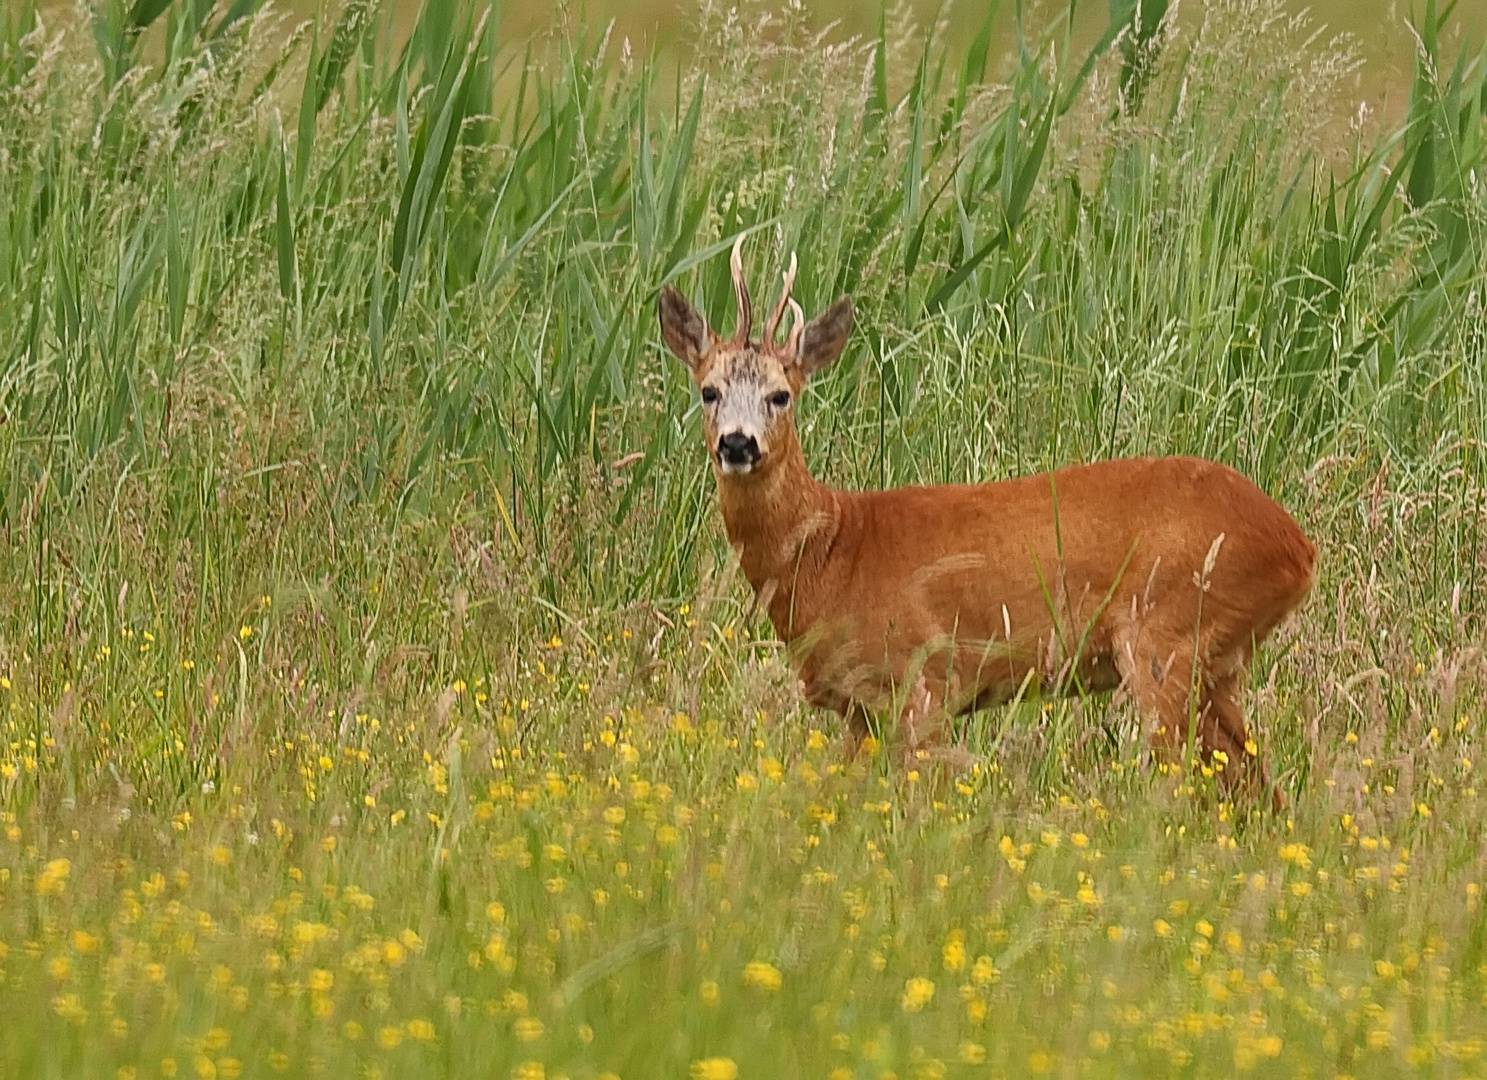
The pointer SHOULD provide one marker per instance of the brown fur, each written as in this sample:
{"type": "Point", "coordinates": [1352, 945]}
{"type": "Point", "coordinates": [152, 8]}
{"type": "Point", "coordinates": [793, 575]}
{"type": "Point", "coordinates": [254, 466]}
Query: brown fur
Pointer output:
{"type": "Point", "coordinates": [942, 599]}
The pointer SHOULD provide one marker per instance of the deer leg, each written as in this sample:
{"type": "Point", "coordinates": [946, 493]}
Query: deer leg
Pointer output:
{"type": "Point", "coordinates": [1223, 728]}
{"type": "Point", "coordinates": [921, 726]}
{"type": "Point", "coordinates": [920, 718]}
{"type": "Point", "coordinates": [1221, 724]}
{"type": "Point", "coordinates": [1156, 671]}
{"type": "Point", "coordinates": [857, 729]}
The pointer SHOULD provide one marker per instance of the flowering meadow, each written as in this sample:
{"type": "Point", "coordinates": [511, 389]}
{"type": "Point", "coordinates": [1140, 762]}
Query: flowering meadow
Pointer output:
{"type": "Point", "coordinates": [378, 693]}
{"type": "Point", "coordinates": [651, 895]}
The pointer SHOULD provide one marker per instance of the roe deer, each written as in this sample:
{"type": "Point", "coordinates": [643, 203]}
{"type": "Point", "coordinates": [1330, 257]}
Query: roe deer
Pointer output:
{"type": "Point", "coordinates": [1157, 576]}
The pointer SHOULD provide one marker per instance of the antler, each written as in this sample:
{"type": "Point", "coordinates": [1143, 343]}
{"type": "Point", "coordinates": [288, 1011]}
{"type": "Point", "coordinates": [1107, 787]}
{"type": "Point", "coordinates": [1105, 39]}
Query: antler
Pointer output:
{"type": "Point", "coordinates": [797, 327]}
{"type": "Point", "coordinates": [773, 324]}
{"type": "Point", "coordinates": [741, 292]}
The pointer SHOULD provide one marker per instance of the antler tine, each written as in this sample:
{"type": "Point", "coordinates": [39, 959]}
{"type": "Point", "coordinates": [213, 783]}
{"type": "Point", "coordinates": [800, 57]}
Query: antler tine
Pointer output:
{"type": "Point", "coordinates": [741, 293]}
{"type": "Point", "coordinates": [797, 327]}
{"type": "Point", "coordinates": [779, 307]}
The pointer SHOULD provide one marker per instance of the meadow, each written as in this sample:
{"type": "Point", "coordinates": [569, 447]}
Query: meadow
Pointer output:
{"type": "Point", "coordinates": [379, 695]}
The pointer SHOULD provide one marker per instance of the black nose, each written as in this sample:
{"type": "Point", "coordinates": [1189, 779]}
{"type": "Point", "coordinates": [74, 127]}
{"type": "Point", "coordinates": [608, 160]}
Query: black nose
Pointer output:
{"type": "Point", "coordinates": [736, 448]}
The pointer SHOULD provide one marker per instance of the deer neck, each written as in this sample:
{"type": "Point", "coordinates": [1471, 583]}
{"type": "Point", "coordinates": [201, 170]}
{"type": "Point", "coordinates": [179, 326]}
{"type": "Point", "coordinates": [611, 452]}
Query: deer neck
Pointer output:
{"type": "Point", "coordinates": [781, 521]}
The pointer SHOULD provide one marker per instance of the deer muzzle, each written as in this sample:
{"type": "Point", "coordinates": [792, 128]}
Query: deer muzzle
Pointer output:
{"type": "Point", "coordinates": [738, 452]}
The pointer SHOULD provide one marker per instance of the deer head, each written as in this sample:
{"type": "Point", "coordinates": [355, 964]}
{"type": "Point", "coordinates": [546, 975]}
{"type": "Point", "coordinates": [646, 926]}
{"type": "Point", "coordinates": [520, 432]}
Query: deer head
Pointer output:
{"type": "Point", "coordinates": [749, 387]}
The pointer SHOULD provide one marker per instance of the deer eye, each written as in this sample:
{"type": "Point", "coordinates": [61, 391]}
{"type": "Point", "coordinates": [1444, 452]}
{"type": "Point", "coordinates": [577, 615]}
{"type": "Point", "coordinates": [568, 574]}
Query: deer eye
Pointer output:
{"type": "Point", "coordinates": [780, 398]}
{"type": "Point", "coordinates": [709, 395]}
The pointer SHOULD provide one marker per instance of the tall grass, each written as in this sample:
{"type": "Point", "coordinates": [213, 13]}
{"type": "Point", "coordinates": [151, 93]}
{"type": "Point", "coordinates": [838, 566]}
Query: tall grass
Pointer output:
{"type": "Point", "coordinates": [1109, 258]}
{"type": "Point", "coordinates": [354, 532]}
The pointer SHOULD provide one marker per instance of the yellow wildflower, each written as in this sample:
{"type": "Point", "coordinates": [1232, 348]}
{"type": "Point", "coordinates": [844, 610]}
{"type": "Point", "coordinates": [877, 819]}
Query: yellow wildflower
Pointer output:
{"type": "Point", "coordinates": [529, 1029]}
{"type": "Point", "coordinates": [717, 1068]}
{"type": "Point", "coordinates": [918, 992]}
{"type": "Point", "coordinates": [52, 881]}
{"type": "Point", "coordinates": [84, 942]}
{"type": "Point", "coordinates": [762, 976]}
{"type": "Point", "coordinates": [954, 952]}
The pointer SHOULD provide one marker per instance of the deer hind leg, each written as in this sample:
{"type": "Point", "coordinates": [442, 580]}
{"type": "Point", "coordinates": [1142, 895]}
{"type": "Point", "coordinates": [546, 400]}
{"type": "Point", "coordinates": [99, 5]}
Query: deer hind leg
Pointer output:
{"type": "Point", "coordinates": [1156, 671]}
{"type": "Point", "coordinates": [857, 728]}
{"type": "Point", "coordinates": [1223, 728]}
{"type": "Point", "coordinates": [921, 716]}
{"type": "Point", "coordinates": [921, 725]}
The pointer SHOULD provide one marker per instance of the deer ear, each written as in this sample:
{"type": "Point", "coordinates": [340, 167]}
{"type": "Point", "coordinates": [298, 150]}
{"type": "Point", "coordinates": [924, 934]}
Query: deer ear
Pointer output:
{"type": "Point", "coordinates": [684, 330]}
{"type": "Point", "coordinates": [824, 337]}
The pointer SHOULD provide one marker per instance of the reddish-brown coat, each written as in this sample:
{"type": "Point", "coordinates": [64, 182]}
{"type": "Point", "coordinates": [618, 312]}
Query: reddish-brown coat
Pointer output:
{"type": "Point", "coordinates": [937, 599]}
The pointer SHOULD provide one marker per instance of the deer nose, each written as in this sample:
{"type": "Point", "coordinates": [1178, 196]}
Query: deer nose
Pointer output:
{"type": "Point", "coordinates": [736, 448]}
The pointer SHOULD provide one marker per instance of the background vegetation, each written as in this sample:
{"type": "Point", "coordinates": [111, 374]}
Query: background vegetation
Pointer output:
{"type": "Point", "coordinates": [378, 693]}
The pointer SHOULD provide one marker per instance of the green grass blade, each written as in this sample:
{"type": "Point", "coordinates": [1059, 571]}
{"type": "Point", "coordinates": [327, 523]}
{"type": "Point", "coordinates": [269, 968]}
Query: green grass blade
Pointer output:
{"type": "Point", "coordinates": [284, 228]}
